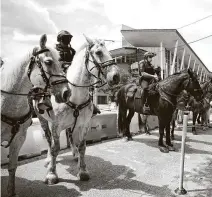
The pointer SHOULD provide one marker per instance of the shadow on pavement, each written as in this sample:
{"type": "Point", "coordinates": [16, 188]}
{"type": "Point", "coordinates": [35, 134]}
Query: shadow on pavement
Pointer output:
{"type": "Point", "coordinates": [28, 188]}
{"type": "Point", "coordinates": [105, 176]}
{"type": "Point", "coordinates": [177, 144]}
{"type": "Point", "coordinates": [202, 176]}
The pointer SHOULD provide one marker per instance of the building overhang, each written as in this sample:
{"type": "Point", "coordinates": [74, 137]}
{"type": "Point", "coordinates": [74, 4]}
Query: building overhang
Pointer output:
{"type": "Point", "coordinates": [168, 37]}
{"type": "Point", "coordinates": [124, 51]}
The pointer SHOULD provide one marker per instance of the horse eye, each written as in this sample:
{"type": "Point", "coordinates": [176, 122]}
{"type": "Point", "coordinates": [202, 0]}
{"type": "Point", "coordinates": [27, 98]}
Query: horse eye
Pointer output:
{"type": "Point", "coordinates": [48, 62]}
{"type": "Point", "coordinates": [99, 52]}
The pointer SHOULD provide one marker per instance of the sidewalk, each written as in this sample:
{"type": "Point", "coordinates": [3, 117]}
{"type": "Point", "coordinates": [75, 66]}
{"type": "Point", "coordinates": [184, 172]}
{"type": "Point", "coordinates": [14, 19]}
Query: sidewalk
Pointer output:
{"type": "Point", "coordinates": [123, 169]}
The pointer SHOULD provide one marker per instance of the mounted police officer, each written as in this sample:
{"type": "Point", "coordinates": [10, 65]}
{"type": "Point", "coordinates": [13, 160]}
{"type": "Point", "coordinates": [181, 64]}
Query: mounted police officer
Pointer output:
{"type": "Point", "coordinates": [64, 47]}
{"type": "Point", "coordinates": [67, 54]}
{"type": "Point", "coordinates": [148, 74]}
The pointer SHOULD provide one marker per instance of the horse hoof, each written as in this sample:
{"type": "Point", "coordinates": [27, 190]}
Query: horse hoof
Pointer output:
{"type": "Point", "coordinates": [51, 179]}
{"type": "Point", "coordinates": [171, 148]}
{"type": "Point", "coordinates": [83, 176]}
{"type": "Point", "coordinates": [148, 133]}
{"type": "Point", "coordinates": [163, 149]}
{"type": "Point", "coordinates": [194, 132]}
{"type": "Point", "coordinates": [127, 139]}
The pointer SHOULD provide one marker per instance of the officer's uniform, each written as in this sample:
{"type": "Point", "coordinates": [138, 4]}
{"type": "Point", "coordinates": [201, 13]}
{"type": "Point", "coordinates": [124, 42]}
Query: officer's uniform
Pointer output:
{"type": "Point", "coordinates": [67, 54]}
{"type": "Point", "coordinates": [146, 67]}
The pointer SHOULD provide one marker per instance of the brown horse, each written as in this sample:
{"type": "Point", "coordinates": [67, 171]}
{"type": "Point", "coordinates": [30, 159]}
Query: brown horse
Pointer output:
{"type": "Point", "coordinates": [162, 102]}
{"type": "Point", "coordinates": [200, 109]}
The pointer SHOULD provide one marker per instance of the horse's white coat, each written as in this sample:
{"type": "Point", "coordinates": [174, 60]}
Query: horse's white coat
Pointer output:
{"type": "Point", "coordinates": [77, 74]}
{"type": "Point", "coordinates": [14, 79]}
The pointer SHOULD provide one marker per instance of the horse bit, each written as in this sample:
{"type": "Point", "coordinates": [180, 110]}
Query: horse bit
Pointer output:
{"type": "Point", "coordinates": [34, 93]}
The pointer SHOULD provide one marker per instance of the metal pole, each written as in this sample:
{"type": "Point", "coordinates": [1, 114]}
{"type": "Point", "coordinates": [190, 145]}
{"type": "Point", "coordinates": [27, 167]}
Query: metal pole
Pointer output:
{"type": "Point", "coordinates": [189, 61]}
{"type": "Point", "coordinates": [161, 60]}
{"type": "Point", "coordinates": [194, 65]}
{"type": "Point", "coordinates": [175, 54]}
{"type": "Point", "coordinates": [182, 61]}
{"type": "Point", "coordinates": [180, 189]}
{"type": "Point", "coordinates": [139, 71]}
{"type": "Point", "coordinates": [198, 69]}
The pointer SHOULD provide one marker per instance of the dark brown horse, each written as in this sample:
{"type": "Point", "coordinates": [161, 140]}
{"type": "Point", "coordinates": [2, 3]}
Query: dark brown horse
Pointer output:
{"type": "Point", "coordinates": [201, 109]}
{"type": "Point", "coordinates": [162, 101]}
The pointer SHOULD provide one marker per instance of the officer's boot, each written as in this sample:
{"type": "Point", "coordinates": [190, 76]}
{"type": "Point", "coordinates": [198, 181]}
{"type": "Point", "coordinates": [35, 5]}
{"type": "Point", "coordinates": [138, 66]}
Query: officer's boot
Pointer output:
{"type": "Point", "coordinates": [146, 108]}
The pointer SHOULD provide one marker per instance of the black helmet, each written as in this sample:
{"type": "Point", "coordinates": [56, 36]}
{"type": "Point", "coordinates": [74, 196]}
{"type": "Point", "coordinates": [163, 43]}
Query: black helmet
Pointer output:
{"type": "Point", "coordinates": [62, 34]}
{"type": "Point", "coordinates": [149, 54]}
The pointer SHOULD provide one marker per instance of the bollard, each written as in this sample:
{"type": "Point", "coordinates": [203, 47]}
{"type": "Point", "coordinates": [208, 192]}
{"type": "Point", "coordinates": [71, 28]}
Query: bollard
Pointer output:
{"type": "Point", "coordinates": [180, 190]}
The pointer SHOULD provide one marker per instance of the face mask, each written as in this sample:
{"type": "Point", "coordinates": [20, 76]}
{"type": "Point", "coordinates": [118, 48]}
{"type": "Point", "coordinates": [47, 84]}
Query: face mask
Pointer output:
{"type": "Point", "coordinates": [66, 40]}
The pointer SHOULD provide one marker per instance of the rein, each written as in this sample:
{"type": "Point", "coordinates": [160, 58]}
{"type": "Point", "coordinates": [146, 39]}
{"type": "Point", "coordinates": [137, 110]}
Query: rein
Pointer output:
{"type": "Point", "coordinates": [172, 95]}
{"type": "Point", "coordinates": [99, 66]}
{"type": "Point", "coordinates": [34, 92]}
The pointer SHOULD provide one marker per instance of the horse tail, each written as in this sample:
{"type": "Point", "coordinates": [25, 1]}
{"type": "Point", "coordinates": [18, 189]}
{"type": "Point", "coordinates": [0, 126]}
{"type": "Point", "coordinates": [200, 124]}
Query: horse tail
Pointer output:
{"type": "Point", "coordinates": [118, 97]}
{"type": "Point", "coordinates": [121, 107]}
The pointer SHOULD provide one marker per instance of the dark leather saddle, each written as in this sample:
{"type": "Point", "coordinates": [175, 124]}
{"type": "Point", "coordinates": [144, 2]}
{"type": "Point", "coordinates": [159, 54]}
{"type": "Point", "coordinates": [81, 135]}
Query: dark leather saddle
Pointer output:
{"type": "Point", "coordinates": [136, 93]}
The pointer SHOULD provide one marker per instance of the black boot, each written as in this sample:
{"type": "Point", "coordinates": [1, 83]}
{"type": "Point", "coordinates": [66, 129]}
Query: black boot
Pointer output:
{"type": "Point", "coordinates": [146, 108]}
{"type": "Point", "coordinates": [96, 110]}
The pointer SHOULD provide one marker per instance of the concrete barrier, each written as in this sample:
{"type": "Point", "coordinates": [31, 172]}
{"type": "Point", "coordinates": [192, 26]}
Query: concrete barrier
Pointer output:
{"type": "Point", "coordinates": [103, 126]}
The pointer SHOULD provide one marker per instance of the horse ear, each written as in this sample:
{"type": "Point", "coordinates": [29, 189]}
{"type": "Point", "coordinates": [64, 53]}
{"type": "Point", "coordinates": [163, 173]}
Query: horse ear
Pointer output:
{"type": "Point", "coordinates": [90, 42]}
{"type": "Point", "coordinates": [43, 41]}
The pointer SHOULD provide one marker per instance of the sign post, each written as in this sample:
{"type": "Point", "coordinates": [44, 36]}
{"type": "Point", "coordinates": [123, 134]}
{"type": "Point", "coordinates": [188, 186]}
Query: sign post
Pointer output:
{"type": "Point", "coordinates": [180, 190]}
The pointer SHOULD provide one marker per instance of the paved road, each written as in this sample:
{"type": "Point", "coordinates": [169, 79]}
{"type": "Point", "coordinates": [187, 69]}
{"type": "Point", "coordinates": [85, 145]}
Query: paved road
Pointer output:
{"type": "Point", "coordinates": [120, 169]}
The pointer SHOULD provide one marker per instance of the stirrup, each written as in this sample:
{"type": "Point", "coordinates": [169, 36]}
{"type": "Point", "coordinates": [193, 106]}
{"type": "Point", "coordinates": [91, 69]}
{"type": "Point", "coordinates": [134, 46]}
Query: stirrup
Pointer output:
{"type": "Point", "coordinates": [146, 109]}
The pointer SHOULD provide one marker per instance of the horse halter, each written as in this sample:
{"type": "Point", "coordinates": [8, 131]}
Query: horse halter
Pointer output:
{"type": "Point", "coordinates": [35, 61]}
{"type": "Point", "coordinates": [100, 66]}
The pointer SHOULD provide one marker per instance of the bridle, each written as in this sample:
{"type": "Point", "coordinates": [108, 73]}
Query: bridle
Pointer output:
{"type": "Point", "coordinates": [35, 61]}
{"type": "Point", "coordinates": [174, 96]}
{"type": "Point", "coordinates": [99, 66]}
{"type": "Point", "coordinates": [34, 93]}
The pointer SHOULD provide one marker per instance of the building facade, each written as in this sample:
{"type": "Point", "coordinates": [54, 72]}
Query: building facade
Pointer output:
{"type": "Point", "coordinates": [173, 54]}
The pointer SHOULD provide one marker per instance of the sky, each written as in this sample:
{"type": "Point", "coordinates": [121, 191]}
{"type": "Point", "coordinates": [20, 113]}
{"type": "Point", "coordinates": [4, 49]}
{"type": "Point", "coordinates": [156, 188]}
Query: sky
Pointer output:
{"type": "Point", "coordinates": [24, 21]}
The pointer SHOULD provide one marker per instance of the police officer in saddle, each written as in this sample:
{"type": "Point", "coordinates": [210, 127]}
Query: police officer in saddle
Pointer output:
{"type": "Point", "coordinates": [148, 74]}
{"type": "Point", "coordinates": [67, 54]}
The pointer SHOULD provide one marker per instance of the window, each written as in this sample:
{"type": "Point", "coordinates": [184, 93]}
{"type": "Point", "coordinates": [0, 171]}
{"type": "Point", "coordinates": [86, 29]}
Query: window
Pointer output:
{"type": "Point", "coordinates": [102, 100]}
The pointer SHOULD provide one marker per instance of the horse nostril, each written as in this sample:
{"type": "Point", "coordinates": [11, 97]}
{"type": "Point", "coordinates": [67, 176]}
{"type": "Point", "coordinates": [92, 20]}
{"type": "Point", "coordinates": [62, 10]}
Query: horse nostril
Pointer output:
{"type": "Point", "coordinates": [116, 78]}
{"type": "Point", "coordinates": [66, 95]}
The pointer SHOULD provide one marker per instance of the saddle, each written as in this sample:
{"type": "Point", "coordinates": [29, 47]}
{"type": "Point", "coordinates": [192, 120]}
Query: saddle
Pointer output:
{"type": "Point", "coordinates": [135, 92]}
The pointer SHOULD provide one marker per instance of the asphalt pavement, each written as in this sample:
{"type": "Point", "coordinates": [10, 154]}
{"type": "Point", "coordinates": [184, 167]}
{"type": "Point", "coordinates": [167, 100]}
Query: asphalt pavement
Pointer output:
{"type": "Point", "coordinates": [123, 169]}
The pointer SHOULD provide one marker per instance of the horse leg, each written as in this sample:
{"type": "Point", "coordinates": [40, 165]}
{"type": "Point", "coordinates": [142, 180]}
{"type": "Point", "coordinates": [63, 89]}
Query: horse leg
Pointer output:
{"type": "Point", "coordinates": [194, 121]}
{"type": "Point", "coordinates": [172, 129]}
{"type": "Point", "coordinates": [198, 118]}
{"type": "Point", "coordinates": [168, 138]}
{"type": "Point", "coordinates": [161, 145]}
{"type": "Point", "coordinates": [83, 174]}
{"type": "Point", "coordinates": [52, 177]}
{"type": "Point", "coordinates": [139, 123]}
{"type": "Point", "coordinates": [74, 149]}
{"type": "Point", "coordinates": [45, 126]}
{"type": "Point", "coordinates": [129, 118]}
{"type": "Point", "coordinates": [121, 114]}
{"type": "Point", "coordinates": [14, 150]}
{"type": "Point", "coordinates": [144, 119]}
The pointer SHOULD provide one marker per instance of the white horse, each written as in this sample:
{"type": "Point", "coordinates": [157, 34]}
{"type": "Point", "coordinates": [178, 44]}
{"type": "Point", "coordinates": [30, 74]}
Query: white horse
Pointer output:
{"type": "Point", "coordinates": [92, 64]}
{"type": "Point", "coordinates": [38, 69]}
